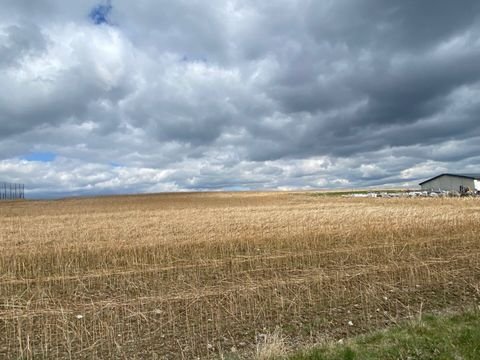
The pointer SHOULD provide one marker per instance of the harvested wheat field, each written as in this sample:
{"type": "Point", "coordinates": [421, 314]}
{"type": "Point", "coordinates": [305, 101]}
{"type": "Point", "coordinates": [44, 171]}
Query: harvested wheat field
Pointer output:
{"type": "Point", "coordinates": [208, 275]}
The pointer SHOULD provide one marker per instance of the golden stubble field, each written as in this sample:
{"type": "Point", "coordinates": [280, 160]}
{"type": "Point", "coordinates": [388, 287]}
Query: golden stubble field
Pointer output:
{"type": "Point", "coordinates": [213, 274]}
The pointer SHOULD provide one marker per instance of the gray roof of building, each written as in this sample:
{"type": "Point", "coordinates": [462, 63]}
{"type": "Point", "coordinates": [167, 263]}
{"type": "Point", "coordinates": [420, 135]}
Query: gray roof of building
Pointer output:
{"type": "Point", "coordinates": [468, 176]}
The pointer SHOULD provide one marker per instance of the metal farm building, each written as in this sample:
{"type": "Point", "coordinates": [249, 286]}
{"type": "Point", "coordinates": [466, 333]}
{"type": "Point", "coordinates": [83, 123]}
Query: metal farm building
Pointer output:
{"type": "Point", "coordinates": [452, 182]}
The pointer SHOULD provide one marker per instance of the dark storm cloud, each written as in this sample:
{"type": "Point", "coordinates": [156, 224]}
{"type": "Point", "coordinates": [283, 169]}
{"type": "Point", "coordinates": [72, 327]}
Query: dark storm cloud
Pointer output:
{"type": "Point", "coordinates": [390, 57]}
{"type": "Point", "coordinates": [390, 25]}
{"type": "Point", "coordinates": [237, 94]}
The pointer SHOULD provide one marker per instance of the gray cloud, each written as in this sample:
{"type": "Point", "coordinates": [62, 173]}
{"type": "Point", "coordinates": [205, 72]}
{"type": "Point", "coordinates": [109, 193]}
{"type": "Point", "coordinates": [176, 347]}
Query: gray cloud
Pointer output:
{"type": "Point", "coordinates": [237, 94]}
{"type": "Point", "coordinates": [20, 41]}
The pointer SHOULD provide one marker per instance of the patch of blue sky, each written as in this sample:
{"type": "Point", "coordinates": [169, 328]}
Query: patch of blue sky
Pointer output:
{"type": "Point", "coordinates": [40, 156]}
{"type": "Point", "coordinates": [99, 14]}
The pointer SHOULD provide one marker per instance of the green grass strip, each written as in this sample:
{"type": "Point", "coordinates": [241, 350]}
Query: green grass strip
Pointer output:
{"type": "Point", "coordinates": [434, 337]}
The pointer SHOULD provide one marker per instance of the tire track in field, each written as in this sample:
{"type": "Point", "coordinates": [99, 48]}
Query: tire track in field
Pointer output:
{"type": "Point", "coordinates": [216, 263]}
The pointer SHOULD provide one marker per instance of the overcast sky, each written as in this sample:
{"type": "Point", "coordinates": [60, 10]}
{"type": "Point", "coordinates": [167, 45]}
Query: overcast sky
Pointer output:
{"type": "Point", "coordinates": [163, 95]}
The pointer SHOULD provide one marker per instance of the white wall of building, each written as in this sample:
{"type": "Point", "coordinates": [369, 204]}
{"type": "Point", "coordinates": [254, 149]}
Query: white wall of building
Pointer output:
{"type": "Point", "coordinates": [450, 183]}
{"type": "Point", "coordinates": [477, 184]}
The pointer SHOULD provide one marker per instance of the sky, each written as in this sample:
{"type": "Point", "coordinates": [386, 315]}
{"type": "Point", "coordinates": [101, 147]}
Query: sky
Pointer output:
{"type": "Point", "coordinates": [143, 96]}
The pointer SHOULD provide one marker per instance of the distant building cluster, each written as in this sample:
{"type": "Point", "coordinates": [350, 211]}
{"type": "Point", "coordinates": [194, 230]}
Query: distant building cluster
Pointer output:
{"type": "Point", "coordinates": [453, 183]}
{"type": "Point", "coordinates": [438, 186]}
{"type": "Point", "coordinates": [400, 194]}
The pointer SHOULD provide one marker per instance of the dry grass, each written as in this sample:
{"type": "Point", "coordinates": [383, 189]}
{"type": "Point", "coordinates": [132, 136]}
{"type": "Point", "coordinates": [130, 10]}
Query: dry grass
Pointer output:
{"type": "Point", "coordinates": [271, 346]}
{"type": "Point", "coordinates": [185, 275]}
